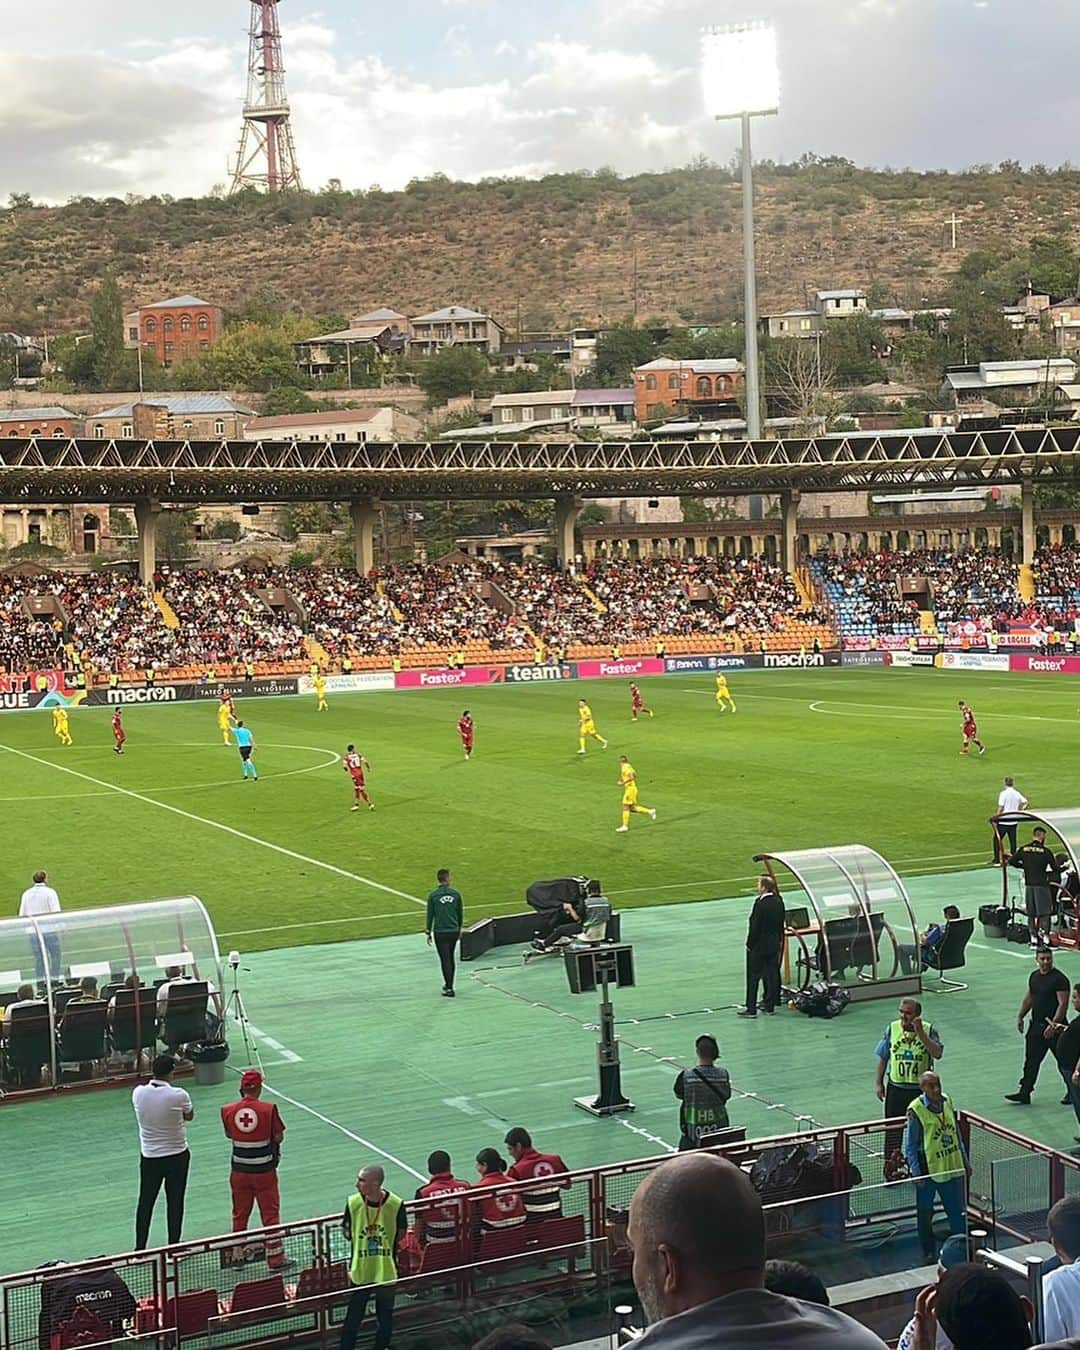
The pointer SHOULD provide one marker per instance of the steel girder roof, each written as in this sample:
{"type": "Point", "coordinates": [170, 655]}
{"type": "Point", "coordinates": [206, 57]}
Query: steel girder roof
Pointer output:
{"type": "Point", "coordinates": [61, 470]}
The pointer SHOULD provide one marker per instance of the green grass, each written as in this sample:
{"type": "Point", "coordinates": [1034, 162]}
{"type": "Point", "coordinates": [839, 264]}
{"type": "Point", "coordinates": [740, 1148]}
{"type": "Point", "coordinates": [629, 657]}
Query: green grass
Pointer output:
{"type": "Point", "coordinates": [810, 758]}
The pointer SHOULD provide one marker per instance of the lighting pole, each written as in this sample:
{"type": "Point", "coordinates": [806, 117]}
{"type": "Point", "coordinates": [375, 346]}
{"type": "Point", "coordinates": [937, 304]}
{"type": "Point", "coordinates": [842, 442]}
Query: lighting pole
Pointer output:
{"type": "Point", "coordinates": [741, 78]}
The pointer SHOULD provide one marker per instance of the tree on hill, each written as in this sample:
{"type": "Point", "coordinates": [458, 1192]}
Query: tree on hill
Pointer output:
{"type": "Point", "coordinates": [107, 329]}
{"type": "Point", "coordinates": [619, 351]}
{"type": "Point", "coordinates": [452, 373]}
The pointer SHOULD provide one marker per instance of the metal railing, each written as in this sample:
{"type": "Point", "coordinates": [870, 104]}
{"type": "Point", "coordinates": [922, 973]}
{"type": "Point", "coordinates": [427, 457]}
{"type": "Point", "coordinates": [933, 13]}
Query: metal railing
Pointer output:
{"type": "Point", "coordinates": [221, 1291]}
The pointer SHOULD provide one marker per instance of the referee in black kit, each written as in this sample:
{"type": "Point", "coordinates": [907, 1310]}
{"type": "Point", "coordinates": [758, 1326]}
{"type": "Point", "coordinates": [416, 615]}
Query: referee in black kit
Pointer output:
{"type": "Point", "coordinates": [444, 922]}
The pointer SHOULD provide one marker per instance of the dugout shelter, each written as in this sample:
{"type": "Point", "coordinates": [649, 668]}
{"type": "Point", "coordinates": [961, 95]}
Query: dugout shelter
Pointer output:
{"type": "Point", "coordinates": [68, 1036]}
{"type": "Point", "coordinates": [1061, 824]}
{"type": "Point", "coordinates": [849, 924]}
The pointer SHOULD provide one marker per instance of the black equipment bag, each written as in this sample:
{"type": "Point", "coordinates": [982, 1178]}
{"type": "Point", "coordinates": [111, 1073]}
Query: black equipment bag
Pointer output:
{"type": "Point", "coordinates": [548, 895]}
{"type": "Point", "coordinates": [799, 1171]}
{"type": "Point", "coordinates": [1018, 932]}
{"type": "Point", "coordinates": [995, 915]}
{"type": "Point", "coordinates": [821, 1000]}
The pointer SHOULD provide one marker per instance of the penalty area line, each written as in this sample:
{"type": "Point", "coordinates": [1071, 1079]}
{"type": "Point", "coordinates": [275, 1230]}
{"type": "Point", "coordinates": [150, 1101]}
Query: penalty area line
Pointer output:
{"type": "Point", "coordinates": [216, 825]}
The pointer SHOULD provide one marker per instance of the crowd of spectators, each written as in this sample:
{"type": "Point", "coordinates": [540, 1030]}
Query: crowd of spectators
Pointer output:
{"type": "Point", "coordinates": [229, 618]}
{"type": "Point", "coordinates": [875, 593]}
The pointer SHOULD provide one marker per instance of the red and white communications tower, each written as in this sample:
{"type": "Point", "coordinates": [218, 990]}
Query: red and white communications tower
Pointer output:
{"type": "Point", "coordinates": [267, 157]}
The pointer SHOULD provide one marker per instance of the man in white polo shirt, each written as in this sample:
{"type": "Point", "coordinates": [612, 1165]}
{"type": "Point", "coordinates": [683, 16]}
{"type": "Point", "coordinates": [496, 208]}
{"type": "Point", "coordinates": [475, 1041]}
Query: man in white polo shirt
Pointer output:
{"type": "Point", "coordinates": [162, 1111]}
{"type": "Point", "coordinates": [1010, 800]}
{"type": "Point", "coordinates": [38, 901]}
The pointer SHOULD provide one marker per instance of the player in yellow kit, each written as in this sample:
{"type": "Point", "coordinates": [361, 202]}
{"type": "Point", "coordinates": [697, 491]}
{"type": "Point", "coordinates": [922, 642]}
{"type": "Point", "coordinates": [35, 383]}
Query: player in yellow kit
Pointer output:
{"type": "Point", "coordinates": [320, 693]}
{"type": "Point", "coordinates": [630, 807]}
{"type": "Point", "coordinates": [587, 727]}
{"type": "Point", "coordinates": [60, 726]}
{"type": "Point", "coordinates": [225, 718]}
{"type": "Point", "coordinates": [723, 693]}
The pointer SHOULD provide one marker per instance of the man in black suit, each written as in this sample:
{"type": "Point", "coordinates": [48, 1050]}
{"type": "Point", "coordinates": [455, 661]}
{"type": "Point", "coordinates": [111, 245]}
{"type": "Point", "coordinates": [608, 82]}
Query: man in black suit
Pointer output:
{"type": "Point", "coordinates": [764, 940]}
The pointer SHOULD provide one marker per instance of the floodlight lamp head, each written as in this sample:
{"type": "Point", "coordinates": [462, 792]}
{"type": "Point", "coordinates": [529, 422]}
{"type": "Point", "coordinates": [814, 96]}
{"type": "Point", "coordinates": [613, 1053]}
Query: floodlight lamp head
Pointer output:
{"type": "Point", "coordinates": [740, 70]}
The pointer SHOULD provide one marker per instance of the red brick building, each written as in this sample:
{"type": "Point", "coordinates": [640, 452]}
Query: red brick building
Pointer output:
{"type": "Point", "coordinates": [177, 329]}
{"type": "Point", "coordinates": [52, 421]}
{"type": "Point", "coordinates": [710, 388]}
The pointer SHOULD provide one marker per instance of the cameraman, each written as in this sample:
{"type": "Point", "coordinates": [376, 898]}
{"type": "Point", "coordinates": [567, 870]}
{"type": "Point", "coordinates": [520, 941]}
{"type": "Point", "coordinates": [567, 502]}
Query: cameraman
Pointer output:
{"type": "Point", "coordinates": [568, 919]}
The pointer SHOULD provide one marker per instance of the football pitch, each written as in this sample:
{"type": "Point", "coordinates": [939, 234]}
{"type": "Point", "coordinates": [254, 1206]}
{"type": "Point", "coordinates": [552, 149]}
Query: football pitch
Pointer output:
{"type": "Point", "coordinates": [366, 1060]}
{"type": "Point", "coordinates": [810, 758]}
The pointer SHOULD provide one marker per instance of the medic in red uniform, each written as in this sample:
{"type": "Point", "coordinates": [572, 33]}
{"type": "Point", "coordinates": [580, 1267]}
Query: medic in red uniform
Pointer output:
{"type": "Point", "coordinates": [440, 1223]}
{"type": "Point", "coordinates": [543, 1201]}
{"type": "Point", "coordinates": [256, 1131]}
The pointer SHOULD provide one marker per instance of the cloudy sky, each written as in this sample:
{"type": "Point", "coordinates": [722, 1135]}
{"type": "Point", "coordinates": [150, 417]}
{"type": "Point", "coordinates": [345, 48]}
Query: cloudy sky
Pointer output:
{"type": "Point", "coordinates": [116, 96]}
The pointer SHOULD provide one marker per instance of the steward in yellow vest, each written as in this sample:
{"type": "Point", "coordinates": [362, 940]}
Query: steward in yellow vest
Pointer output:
{"type": "Point", "coordinates": [936, 1160]}
{"type": "Point", "coordinates": [374, 1223]}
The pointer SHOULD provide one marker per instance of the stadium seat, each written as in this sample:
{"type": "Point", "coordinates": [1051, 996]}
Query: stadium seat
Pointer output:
{"type": "Point", "coordinates": [134, 1020]}
{"type": "Point", "coordinates": [190, 1312]}
{"type": "Point", "coordinates": [28, 1043]}
{"type": "Point", "coordinates": [83, 1031]}
{"type": "Point", "coordinates": [185, 1014]}
{"type": "Point", "coordinates": [255, 1295]}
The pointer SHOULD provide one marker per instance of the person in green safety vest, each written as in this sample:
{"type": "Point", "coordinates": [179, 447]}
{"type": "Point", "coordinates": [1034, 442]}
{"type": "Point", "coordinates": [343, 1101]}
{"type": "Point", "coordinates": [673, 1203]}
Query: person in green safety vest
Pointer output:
{"type": "Point", "coordinates": [936, 1160]}
{"type": "Point", "coordinates": [374, 1223]}
{"type": "Point", "coordinates": [346, 665]}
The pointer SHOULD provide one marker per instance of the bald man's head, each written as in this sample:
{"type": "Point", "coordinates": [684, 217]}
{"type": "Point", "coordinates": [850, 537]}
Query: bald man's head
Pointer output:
{"type": "Point", "coordinates": [697, 1231]}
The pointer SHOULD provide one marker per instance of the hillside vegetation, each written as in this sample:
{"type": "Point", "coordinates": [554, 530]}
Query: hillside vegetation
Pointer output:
{"type": "Point", "coordinates": [558, 251]}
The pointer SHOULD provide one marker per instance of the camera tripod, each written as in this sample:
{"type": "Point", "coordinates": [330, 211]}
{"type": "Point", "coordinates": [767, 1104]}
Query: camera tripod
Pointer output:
{"type": "Point", "coordinates": [234, 1010]}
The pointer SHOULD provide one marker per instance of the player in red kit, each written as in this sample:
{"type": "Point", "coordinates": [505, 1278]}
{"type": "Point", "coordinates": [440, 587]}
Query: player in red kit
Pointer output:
{"type": "Point", "coordinates": [119, 734]}
{"type": "Point", "coordinates": [255, 1130]}
{"type": "Point", "coordinates": [355, 765]}
{"type": "Point", "coordinates": [970, 731]}
{"type": "Point", "coordinates": [465, 731]}
{"type": "Point", "coordinates": [637, 703]}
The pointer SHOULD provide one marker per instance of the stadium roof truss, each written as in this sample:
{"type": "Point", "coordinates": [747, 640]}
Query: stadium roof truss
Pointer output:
{"type": "Point", "coordinates": [61, 470]}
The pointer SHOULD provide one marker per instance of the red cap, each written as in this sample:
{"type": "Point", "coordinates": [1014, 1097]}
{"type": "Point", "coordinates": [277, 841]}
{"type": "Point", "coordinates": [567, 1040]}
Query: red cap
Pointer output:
{"type": "Point", "coordinates": [250, 1078]}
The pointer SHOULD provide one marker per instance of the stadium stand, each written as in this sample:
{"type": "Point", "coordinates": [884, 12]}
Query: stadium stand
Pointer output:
{"type": "Point", "coordinates": [468, 611]}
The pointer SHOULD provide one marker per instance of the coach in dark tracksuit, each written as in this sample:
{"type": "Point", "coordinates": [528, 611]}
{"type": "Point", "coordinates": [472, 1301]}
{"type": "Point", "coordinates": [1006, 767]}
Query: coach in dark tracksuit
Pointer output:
{"type": "Point", "coordinates": [764, 940]}
{"type": "Point", "coordinates": [444, 921]}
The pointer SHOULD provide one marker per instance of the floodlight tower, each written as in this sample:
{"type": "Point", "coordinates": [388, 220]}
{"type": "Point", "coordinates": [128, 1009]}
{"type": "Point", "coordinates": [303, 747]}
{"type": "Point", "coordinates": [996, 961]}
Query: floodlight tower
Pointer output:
{"type": "Point", "coordinates": [267, 156]}
{"type": "Point", "coordinates": [740, 77]}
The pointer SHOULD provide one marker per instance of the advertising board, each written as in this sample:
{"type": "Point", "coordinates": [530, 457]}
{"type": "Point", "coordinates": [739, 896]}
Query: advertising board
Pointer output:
{"type": "Point", "coordinates": [863, 659]}
{"type": "Point", "coordinates": [909, 660]}
{"type": "Point", "coordinates": [800, 660]}
{"type": "Point", "coordinates": [448, 679]}
{"type": "Point", "coordinates": [627, 668]}
{"type": "Point", "coordinates": [688, 665]}
{"type": "Point", "coordinates": [1045, 665]}
{"type": "Point", "coordinates": [357, 682]}
{"type": "Point", "coordinates": [540, 674]}
{"type": "Point", "coordinates": [974, 661]}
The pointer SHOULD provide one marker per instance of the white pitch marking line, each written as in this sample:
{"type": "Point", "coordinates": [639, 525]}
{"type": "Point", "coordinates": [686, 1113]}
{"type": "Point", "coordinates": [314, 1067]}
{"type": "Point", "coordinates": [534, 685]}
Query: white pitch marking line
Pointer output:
{"type": "Point", "coordinates": [357, 1138]}
{"type": "Point", "coordinates": [1018, 956]}
{"type": "Point", "coordinates": [333, 758]}
{"type": "Point", "coordinates": [216, 825]}
{"type": "Point", "coordinates": [289, 1056]}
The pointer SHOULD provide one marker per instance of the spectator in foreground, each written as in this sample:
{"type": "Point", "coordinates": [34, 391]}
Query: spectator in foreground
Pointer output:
{"type": "Point", "coordinates": [976, 1307]}
{"type": "Point", "coordinates": [1061, 1288]}
{"type": "Point", "coordinates": [698, 1234]}
{"type": "Point", "coordinates": [796, 1281]}
{"type": "Point", "coordinates": [954, 1251]}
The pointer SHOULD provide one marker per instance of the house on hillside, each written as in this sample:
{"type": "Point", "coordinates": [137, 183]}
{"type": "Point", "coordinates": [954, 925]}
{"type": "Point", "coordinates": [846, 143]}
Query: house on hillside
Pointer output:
{"type": "Point", "coordinates": [49, 421]}
{"type": "Point", "coordinates": [175, 330]}
{"type": "Point", "coordinates": [397, 322]}
{"type": "Point", "coordinates": [341, 424]}
{"type": "Point", "coordinates": [455, 326]}
{"type": "Point", "coordinates": [334, 353]}
{"type": "Point", "coordinates": [1065, 324]}
{"type": "Point", "coordinates": [690, 388]}
{"type": "Point", "coordinates": [172, 417]}
{"type": "Point", "coordinates": [1022, 381]}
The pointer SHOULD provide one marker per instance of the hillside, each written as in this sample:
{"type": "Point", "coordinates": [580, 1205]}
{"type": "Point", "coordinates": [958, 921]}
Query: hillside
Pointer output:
{"type": "Point", "coordinates": [558, 251]}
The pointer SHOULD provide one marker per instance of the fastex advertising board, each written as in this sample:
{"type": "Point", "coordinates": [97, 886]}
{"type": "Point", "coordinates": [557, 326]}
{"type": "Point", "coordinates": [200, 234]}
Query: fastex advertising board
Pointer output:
{"type": "Point", "coordinates": [627, 668]}
{"type": "Point", "coordinates": [1045, 665]}
{"type": "Point", "coordinates": [448, 679]}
